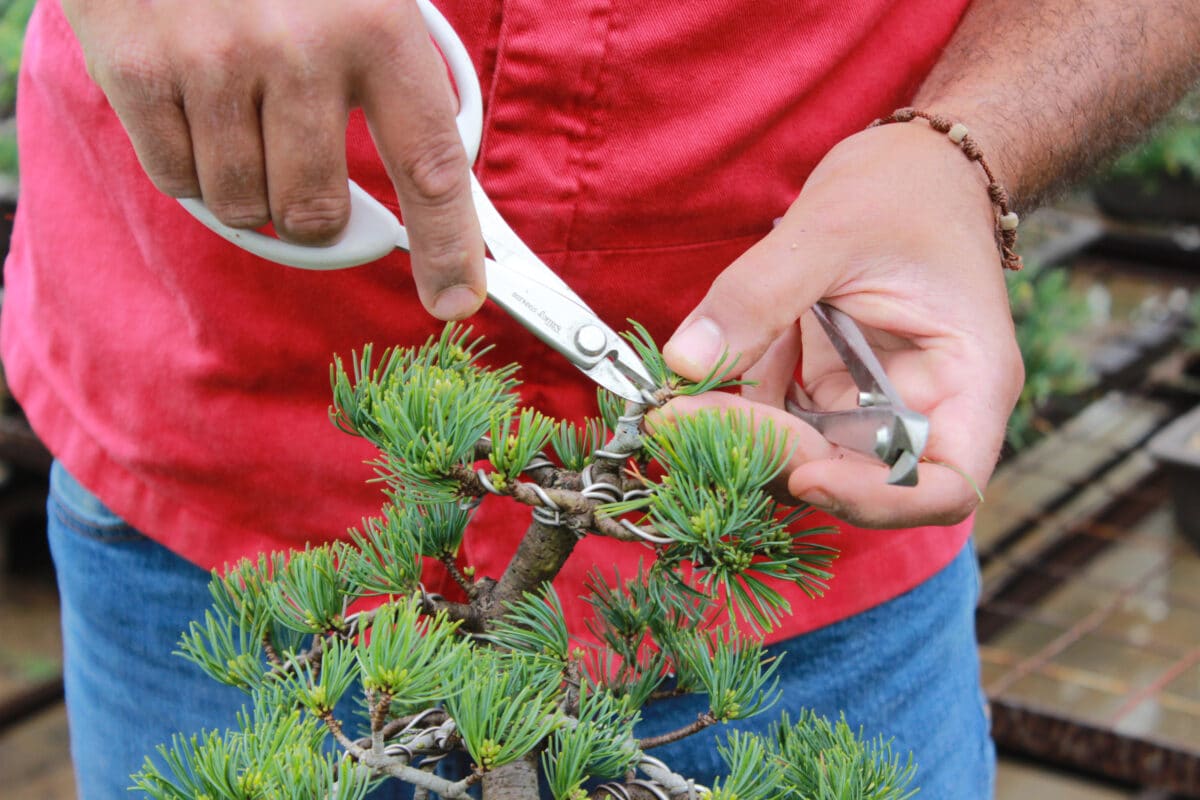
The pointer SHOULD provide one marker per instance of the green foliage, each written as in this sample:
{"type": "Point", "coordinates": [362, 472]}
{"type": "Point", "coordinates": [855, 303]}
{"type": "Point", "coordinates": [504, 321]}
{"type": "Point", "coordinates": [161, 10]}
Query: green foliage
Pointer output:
{"type": "Point", "coordinates": [599, 744]}
{"type": "Point", "coordinates": [8, 153]}
{"type": "Point", "coordinates": [732, 671]}
{"type": "Point", "coordinates": [611, 408]}
{"type": "Point", "coordinates": [243, 594]}
{"type": "Point", "coordinates": [534, 626]}
{"type": "Point", "coordinates": [656, 602]}
{"type": "Point", "coordinates": [226, 651]}
{"type": "Point", "coordinates": [429, 529]}
{"type": "Point", "coordinates": [318, 686]}
{"type": "Point", "coordinates": [504, 681]}
{"type": "Point", "coordinates": [424, 408]}
{"type": "Point", "coordinates": [240, 592]}
{"type": "Point", "coordinates": [632, 679]}
{"type": "Point", "coordinates": [408, 656]}
{"type": "Point", "coordinates": [574, 444]}
{"type": "Point", "coordinates": [275, 753]}
{"type": "Point", "coordinates": [1173, 150]}
{"type": "Point", "coordinates": [388, 554]}
{"type": "Point", "coordinates": [513, 449]}
{"type": "Point", "coordinates": [309, 594]}
{"type": "Point", "coordinates": [1045, 312]}
{"type": "Point", "coordinates": [504, 705]}
{"type": "Point", "coordinates": [14, 15]}
{"type": "Point", "coordinates": [717, 378]}
{"type": "Point", "coordinates": [847, 767]}
{"type": "Point", "coordinates": [713, 504]}
{"type": "Point", "coordinates": [753, 774]}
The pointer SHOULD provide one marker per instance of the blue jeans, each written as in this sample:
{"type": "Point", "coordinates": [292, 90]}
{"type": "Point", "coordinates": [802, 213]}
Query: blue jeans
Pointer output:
{"type": "Point", "coordinates": [906, 669]}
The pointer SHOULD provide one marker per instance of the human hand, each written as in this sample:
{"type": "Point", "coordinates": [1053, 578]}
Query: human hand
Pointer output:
{"type": "Point", "coordinates": [245, 104]}
{"type": "Point", "coordinates": [895, 228]}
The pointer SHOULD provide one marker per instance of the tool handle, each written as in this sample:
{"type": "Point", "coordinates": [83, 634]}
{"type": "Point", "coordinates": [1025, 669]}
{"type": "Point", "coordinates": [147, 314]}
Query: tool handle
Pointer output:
{"type": "Point", "coordinates": [373, 230]}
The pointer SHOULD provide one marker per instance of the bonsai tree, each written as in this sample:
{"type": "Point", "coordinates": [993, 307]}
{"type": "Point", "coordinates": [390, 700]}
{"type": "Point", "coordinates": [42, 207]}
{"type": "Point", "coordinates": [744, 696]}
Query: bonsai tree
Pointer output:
{"type": "Point", "coordinates": [496, 675]}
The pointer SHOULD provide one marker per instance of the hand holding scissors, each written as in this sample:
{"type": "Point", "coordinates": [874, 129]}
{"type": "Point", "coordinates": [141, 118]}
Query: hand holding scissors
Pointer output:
{"type": "Point", "coordinates": [534, 295]}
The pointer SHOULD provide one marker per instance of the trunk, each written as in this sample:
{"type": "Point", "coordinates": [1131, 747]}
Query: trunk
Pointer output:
{"type": "Point", "coordinates": [515, 781]}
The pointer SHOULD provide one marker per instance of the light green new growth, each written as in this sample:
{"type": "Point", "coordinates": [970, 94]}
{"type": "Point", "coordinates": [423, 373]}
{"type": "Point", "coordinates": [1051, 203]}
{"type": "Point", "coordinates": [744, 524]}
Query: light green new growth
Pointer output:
{"type": "Point", "coordinates": [574, 444]}
{"type": "Point", "coordinates": [505, 705]}
{"type": "Point", "coordinates": [714, 506]}
{"type": "Point", "coordinates": [356, 673]}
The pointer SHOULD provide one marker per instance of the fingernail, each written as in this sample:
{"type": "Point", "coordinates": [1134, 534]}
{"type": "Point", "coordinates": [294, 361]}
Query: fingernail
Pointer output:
{"type": "Point", "coordinates": [818, 499]}
{"type": "Point", "coordinates": [700, 344]}
{"type": "Point", "coordinates": [456, 302]}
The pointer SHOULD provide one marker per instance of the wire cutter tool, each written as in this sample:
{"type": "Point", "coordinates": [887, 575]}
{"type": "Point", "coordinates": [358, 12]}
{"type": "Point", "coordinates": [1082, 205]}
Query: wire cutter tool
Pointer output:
{"type": "Point", "coordinates": [881, 426]}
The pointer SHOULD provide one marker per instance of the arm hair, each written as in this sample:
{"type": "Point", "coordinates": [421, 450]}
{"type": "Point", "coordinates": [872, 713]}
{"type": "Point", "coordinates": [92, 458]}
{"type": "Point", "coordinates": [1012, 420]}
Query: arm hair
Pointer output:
{"type": "Point", "coordinates": [1051, 88]}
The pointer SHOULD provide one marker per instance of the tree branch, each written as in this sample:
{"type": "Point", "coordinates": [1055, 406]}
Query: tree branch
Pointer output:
{"type": "Point", "coordinates": [539, 558]}
{"type": "Point", "coordinates": [701, 722]}
{"type": "Point", "coordinates": [432, 716]}
{"type": "Point", "coordinates": [395, 766]}
{"type": "Point", "coordinates": [516, 779]}
{"type": "Point", "coordinates": [465, 583]}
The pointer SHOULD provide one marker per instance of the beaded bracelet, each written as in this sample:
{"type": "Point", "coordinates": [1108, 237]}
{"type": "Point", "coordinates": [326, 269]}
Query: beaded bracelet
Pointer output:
{"type": "Point", "coordinates": [1006, 219]}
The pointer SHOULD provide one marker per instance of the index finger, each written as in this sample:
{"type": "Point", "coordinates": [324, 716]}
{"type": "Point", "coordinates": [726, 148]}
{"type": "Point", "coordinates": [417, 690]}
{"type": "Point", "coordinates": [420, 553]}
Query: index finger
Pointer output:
{"type": "Point", "coordinates": [410, 107]}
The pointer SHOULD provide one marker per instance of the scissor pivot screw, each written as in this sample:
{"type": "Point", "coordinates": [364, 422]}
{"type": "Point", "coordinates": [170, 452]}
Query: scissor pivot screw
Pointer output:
{"type": "Point", "coordinates": [590, 340]}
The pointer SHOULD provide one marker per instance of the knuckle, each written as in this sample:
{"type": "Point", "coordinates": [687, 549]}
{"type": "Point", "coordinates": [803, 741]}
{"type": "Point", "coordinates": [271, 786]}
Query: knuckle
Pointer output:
{"type": "Point", "coordinates": [314, 219]}
{"type": "Point", "coordinates": [378, 22]}
{"type": "Point", "coordinates": [449, 264]}
{"type": "Point", "coordinates": [129, 72]}
{"type": "Point", "coordinates": [240, 212]}
{"type": "Point", "coordinates": [175, 182]}
{"type": "Point", "coordinates": [166, 155]}
{"type": "Point", "coordinates": [237, 180]}
{"type": "Point", "coordinates": [437, 172]}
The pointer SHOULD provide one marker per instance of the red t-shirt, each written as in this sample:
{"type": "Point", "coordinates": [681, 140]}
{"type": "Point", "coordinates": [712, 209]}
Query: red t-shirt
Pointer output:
{"type": "Point", "coordinates": [638, 147]}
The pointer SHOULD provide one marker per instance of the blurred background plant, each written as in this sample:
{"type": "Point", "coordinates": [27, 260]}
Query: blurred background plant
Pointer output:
{"type": "Point", "coordinates": [1046, 311]}
{"type": "Point", "coordinates": [1173, 151]}
{"type": "Point", "coordinates": [14, 14]}
{"type": "Point", "coordinates": [1158, 181]}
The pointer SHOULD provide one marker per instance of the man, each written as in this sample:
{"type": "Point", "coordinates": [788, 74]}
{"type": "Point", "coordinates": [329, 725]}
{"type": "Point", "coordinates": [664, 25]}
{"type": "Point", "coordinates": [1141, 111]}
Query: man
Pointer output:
{"type": "Point", "coordinates": [644, 151]}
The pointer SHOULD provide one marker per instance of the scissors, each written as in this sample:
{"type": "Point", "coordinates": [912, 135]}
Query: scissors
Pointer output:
{"type": "Point", "coordinates": [521, 283]}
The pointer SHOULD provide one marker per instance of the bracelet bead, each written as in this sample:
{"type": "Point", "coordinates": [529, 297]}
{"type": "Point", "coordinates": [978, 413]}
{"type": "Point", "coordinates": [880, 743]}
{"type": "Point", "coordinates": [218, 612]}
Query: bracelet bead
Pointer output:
{"type": "Point", "coordinates": [1006, 219]}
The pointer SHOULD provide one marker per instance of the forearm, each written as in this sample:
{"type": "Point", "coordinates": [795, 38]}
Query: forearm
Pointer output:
{"type": "Point", "coordinates": [1051, 87]}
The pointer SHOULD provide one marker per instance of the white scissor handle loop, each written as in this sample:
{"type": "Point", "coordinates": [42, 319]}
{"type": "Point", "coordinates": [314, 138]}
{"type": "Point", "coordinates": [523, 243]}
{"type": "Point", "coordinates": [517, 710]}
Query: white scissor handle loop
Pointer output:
{"type": "Point", "coordinates": [373, 230]}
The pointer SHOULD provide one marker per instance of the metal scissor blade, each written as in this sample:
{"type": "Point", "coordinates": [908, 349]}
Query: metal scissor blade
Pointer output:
{"type": "Point", "coordinates": [882, 426]}
{"type": "Point", "coordinates": [572, 329]}
{"type": "Point", "coordinates": [509, 249]}
{"type": "Point", "coordinates": [522, 284]}
{"type": "Point", "coordinates": [895, 437]}
{"type": "Point", "coordinates": [857, 355]}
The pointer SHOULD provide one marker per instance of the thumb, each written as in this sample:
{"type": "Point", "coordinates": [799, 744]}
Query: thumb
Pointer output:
{"type": "Point", "coordinates": [750, 305]}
